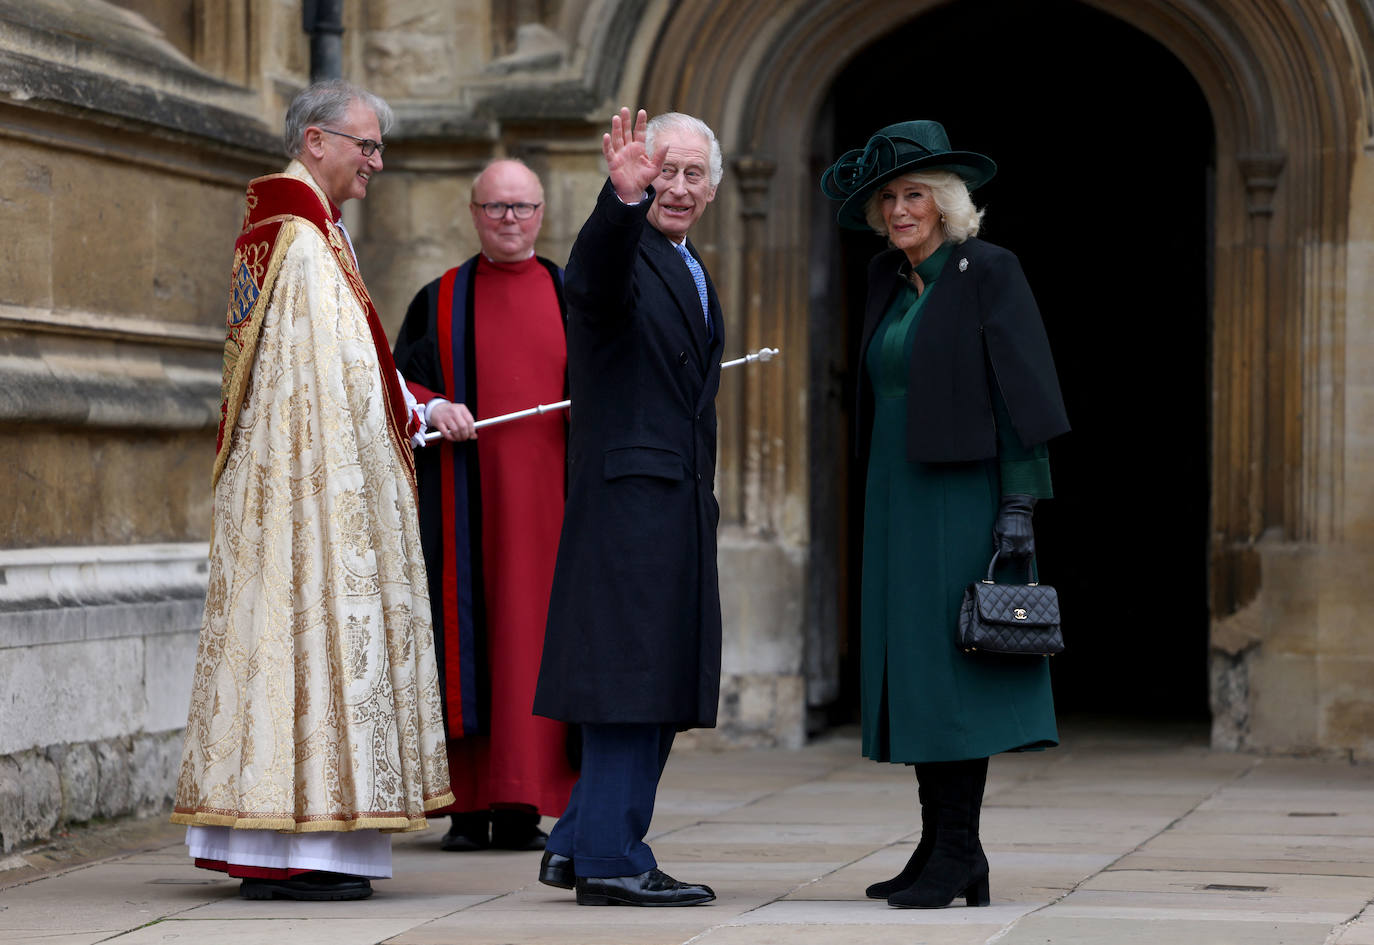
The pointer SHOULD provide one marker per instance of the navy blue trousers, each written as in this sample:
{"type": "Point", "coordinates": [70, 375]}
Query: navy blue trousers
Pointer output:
{"type": "Point", "coordinates": [612, 802]}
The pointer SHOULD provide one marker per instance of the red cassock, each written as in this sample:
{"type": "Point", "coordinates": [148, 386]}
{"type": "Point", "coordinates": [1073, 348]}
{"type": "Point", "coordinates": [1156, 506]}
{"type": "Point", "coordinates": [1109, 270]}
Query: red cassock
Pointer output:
{"type": "Point", "coordinates": [511, 338]}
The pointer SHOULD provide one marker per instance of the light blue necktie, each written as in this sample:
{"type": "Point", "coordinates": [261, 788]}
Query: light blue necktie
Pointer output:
{"type": "Point", "coordinates": [698, 277]}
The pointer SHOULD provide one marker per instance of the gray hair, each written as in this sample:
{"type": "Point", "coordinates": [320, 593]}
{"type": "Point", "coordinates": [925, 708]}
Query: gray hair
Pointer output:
{"type": "Point", "coordinates": [327, 102]}
{"type": "Point", "coordinates": [961, 219]}
{"type": "Point", "coordinates": [680, 122]}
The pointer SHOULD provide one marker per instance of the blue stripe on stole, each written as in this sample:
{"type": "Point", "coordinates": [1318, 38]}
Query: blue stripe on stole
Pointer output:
{"type": "Point", "coordinates": [467, 636]}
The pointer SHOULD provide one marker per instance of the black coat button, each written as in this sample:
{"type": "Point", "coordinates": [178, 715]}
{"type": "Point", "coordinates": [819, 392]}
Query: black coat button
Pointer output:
{"type": "Point", "coordinates": [682, 357]}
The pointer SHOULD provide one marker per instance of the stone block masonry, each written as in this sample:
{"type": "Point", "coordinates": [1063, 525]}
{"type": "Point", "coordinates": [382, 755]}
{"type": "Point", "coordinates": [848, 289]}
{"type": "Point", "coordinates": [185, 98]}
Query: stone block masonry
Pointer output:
{"type": "Point", "coordinates": [97, 648]}
{"type": "Point", "coordinates": [44, 791]}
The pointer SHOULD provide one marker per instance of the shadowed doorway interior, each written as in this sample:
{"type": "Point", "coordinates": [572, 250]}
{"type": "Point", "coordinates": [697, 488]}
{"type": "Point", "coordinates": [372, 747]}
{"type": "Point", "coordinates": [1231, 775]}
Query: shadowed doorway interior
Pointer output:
{"type": "Point", "coordinates": [1104, 190]}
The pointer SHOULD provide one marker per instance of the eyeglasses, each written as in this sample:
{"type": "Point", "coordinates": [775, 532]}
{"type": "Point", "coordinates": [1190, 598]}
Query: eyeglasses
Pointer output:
{"type": "Point", "coordinates": [496, 209]}
{"type": "Point", "coordinates": [367, 145]}
{"type": "Point", "coordinates": [693, 175]}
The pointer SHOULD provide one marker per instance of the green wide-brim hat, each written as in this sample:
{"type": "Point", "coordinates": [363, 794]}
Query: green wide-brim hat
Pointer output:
{"type": "Point", "coordinates": [903, 148]}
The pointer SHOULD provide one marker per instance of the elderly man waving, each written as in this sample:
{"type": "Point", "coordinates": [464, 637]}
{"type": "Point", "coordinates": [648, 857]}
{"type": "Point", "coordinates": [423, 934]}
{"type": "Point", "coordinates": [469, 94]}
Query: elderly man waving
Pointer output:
{"type": "Point", "coordinates": [632, 646]}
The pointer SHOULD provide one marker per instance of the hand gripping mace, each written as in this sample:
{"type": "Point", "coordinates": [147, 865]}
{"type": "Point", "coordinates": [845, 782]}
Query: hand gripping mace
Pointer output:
{"type": "Point", "coordinates": [763, 354]}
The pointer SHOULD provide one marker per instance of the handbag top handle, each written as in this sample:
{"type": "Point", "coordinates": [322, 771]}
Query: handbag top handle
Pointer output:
{"type": "Point", "coordinates": [1033, 577]}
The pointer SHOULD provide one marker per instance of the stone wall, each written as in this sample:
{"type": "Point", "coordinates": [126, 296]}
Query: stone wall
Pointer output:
{"type": "Point", "coordinates": [1293, 668]}
{"type": "Point", "coordinates": [45, 791]}
{"type": "Point", "coordinates": [95, 666]}
{"type": "Point", "coordinates": [763, 684]}
{"type": "Point", "coordinates": [1291, 671]}
{"type": "Point", "coordinates": [1348, 636]}
{"type": "Point", "coordinates": [122, 164]}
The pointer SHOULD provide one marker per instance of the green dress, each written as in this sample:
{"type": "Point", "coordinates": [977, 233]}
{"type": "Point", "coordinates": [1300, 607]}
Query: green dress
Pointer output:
{"type": "Point", "coordinates": [927, 534]}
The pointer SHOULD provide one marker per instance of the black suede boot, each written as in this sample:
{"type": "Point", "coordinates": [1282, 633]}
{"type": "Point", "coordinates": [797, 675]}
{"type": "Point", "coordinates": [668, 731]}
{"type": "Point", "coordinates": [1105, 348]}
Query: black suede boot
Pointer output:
{"type": "Point", "coordinates": [912, 871]}
{"type": "Point", "coordinates": [957, 864]}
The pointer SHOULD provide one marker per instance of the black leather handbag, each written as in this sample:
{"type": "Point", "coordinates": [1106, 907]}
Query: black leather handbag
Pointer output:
{"type": "Point", "coordinates": [1010, 619]}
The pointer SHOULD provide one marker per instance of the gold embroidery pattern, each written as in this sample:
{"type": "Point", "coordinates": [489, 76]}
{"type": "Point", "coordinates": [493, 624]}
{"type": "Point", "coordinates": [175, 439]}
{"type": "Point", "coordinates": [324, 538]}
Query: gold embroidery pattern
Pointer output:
{"type": "Point", "coordinates": [355, 282]}
{"type": "Point", "coordinates": [355, 647]}
{"type": "Point", "coordinates": [250, 204]}
{"type": "Point", "coordinates": [254, 256]}
{"type": "Point", "coordinates": [241, 337]}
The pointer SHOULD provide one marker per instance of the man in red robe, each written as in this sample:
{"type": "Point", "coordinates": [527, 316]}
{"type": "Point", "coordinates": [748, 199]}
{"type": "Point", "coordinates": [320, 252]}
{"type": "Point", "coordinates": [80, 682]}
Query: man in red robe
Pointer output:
{"type": "Point", "coordinates": [484, 339]}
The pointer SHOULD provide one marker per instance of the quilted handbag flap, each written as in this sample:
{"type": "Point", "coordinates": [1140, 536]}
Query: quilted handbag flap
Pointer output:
{"type": "Point", "coordinates": [1027, 605]}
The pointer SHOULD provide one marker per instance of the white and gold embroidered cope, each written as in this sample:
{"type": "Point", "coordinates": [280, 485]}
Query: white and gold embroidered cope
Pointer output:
{"type": "Point", "coordinates": [315, 702]}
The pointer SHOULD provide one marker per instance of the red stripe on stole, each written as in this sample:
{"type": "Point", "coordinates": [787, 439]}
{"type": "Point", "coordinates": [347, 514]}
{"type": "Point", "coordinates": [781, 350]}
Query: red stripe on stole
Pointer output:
{"type": "Point", "coordinates": [453, 656]}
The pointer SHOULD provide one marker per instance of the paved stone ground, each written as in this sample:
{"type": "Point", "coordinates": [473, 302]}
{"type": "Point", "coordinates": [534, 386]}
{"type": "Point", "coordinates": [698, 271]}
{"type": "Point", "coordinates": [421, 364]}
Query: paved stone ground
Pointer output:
{"type": "Point", "coordinates": [1120, 836]}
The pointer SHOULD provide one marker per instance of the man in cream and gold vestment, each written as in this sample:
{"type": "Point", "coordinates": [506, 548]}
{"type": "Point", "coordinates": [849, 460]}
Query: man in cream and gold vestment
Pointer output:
{"type": "Point", "coordinates": [315, 725]}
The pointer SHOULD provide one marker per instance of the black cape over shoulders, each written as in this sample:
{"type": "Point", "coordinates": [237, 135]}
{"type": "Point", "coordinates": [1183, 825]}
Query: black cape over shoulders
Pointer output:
{"type": "Point", "coordinates": [981, 326]}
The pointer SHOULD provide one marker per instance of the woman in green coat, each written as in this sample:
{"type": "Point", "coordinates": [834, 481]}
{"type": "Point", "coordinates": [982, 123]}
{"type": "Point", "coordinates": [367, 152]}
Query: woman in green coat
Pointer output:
{"type": "Point", "coordinates": [958, 398]}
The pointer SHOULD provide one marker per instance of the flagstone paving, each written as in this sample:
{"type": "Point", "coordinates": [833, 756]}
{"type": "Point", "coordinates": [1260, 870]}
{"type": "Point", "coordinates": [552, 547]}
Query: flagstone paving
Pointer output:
{"type": "Point", "coordinates": [1123, 835]}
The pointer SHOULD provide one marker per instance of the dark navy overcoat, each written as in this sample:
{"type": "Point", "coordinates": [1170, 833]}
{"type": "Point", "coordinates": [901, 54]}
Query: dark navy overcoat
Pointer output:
{"type": "Point", "coordinates": [634, 630]}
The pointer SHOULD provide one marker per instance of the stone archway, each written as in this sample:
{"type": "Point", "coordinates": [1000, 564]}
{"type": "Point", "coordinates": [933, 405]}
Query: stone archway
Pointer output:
{"type": "Point", "coordinates": [1288, 85]}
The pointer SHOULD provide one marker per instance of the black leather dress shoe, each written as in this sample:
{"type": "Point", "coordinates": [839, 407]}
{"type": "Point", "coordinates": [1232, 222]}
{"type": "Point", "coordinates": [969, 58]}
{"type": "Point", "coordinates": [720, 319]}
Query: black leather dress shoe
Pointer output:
{"type": "Point", "coordinates": [516, 830]}
{"type": "Point", "coordinates": [557, 870]}
{"type": "Point", "coordinates": [651, 888]}
{"type": "Point", "coordinates": [317, 885]}
{"type": "Point", "coordinates": [467, 833]}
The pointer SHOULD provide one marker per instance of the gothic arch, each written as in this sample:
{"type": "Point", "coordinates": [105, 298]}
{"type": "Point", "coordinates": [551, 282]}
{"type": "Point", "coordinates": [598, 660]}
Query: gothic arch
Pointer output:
{"type": "Point", "coordinates": [1288, 86]}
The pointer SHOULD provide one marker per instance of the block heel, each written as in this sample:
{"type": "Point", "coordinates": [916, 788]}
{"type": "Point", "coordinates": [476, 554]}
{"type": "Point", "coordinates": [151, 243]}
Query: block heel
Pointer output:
{"type": "Point", "coordinates": [978, 893]}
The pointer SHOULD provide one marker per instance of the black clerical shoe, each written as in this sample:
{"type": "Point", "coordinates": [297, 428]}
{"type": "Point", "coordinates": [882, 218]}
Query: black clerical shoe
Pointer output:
{"type": "Point", "coordinates": [466, 833]}
{"type": "Point", "coordinates": [651, 888]}
{"type": "Point", "coordinates": [313, 886]}
{"type": "Point", "coordinates": [516, 830]}
{"type": "Point", "coordinates": [557, 870]}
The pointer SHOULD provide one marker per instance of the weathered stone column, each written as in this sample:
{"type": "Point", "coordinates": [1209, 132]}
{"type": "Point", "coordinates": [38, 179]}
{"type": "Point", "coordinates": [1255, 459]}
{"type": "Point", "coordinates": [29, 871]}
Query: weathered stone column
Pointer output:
{"type": "Point", "coordinates": [1249, 395]}
{"type": "Point", "coordinates": [763, 690]}
{"type": "Point", "coordinates": [1249, 454]}
{"type": "Point", "coordinates": [1269, 342]}
{"type": "Point", "coordinates": [761, 464]}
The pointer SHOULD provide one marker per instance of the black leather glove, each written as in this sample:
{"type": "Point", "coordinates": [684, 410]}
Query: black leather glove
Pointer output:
{"type": "Point", "coordinates": [1012, 532]}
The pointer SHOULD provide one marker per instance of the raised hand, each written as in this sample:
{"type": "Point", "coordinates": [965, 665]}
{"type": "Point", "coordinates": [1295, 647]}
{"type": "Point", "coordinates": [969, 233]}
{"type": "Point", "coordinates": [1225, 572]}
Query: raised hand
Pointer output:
{"type": "Point", "coordinates": [632, 168]}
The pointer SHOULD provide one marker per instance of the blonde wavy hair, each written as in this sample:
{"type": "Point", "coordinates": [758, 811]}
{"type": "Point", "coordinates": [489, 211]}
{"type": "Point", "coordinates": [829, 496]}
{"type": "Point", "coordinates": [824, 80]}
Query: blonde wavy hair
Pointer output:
{"type": "Point", "coordinates": [960, 218]}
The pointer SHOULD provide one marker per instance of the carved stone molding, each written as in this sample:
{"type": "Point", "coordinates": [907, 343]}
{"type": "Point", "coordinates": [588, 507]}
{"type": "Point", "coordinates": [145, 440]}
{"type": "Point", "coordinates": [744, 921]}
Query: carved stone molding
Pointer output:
{"type": "Point", "coordinates": [1260, 173]}
{"type": "Point", "coordinates": [755, 175]}
{"type": "Point", "coordinates": [107, 69]}
{"type": "Point", "coordinates": [79, 594]}
{"type": "Point", "coordinates": [761, 464]}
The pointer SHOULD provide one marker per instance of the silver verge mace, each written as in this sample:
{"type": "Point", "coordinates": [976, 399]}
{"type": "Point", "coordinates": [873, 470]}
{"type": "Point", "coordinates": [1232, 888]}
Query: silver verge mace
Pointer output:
{"type": "Point", "coordinates": [763, 354]}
